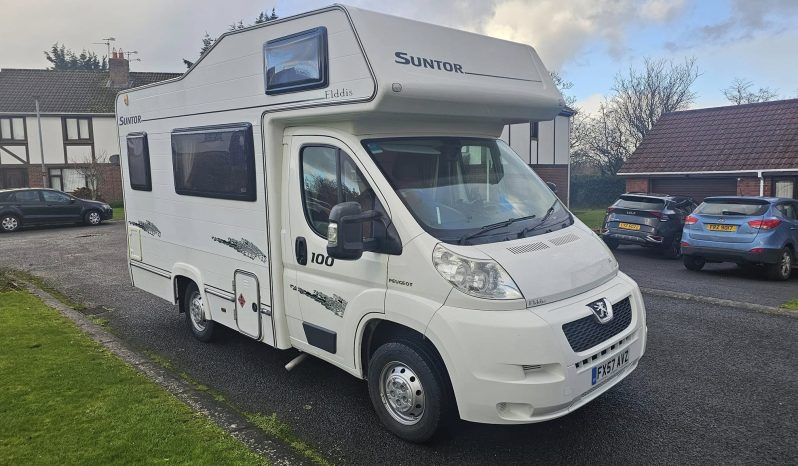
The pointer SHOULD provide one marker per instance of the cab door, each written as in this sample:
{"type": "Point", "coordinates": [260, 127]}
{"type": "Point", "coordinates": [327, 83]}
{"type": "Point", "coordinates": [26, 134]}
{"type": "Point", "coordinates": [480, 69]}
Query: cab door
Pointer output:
{"type": "Point", "coordinates": [332, 294]}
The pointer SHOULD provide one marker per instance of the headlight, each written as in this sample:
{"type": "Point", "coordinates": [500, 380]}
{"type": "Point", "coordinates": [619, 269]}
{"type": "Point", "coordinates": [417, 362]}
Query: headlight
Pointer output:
{"type": "Point", "coordinates": [480, 278]}
{"type": "Point", "coordinates": [106, 206]}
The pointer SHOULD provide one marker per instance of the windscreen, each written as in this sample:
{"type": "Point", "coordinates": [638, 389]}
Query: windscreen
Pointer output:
{"type": "Point", "coordinates": [454, 187]}
{"type": "Point", "coordinates": [745, 207]}
{"type": "Point", "coordinates": [639, 203]}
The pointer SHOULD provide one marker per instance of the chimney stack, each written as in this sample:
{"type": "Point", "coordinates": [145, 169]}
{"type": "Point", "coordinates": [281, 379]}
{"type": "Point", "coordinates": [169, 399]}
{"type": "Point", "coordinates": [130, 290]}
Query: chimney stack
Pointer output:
{"type": "Point", "coordinates": [119, 70]}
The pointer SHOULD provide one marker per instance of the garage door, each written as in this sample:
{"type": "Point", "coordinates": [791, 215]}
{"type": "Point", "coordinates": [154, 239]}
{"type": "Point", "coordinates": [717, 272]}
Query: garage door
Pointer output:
{"type": "Point", "coordinates": [697, 188]}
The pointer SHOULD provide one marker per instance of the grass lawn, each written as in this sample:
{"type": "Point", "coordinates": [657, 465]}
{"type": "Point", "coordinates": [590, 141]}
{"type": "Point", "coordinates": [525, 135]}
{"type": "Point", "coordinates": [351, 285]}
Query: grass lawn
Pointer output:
{"type": "Point", "coordinates": [791, 305]}
{"type": "Point", "coordinates": [592, 217]}
{"type": "Point", "coordinates": [119, 213]}
{"type": "Point", "coordinates": [64, 400]}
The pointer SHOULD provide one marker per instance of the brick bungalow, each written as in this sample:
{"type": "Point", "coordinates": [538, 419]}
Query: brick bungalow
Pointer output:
{"type": "Point", "coordinates": [78, 125]}
{"type": "Point", "coordinates": [747, 150]}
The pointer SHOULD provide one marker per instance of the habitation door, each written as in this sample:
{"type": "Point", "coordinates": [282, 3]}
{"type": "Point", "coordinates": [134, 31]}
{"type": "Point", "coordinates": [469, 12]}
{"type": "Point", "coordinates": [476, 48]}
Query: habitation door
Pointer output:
{"type": "Point", "coordinates": [333, 294]}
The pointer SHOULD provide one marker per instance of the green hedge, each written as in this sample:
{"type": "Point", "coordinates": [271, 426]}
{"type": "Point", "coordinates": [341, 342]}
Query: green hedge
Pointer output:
{"type": "Point", "coordinates": [595, 190]}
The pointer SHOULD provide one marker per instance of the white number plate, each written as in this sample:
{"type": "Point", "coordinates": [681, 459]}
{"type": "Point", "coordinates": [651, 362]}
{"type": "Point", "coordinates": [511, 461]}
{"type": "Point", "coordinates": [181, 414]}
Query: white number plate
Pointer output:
{"type": "Point", "coordinates": [610, 367]}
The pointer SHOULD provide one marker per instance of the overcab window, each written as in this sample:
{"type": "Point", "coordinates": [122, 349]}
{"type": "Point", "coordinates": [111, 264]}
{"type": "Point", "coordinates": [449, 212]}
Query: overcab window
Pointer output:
{"type": "Point", "coordinates": [138, 162]}
{"type": "Point", "coordinates": [297, 62]}
{"type": "Point", "coordinates": [215, 161]}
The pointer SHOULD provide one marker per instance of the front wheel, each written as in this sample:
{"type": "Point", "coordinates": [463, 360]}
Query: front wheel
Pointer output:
{"type": "Point", "coordinates": [408, 390]}
{"type": "Point", "coordinates": [674, 249]}
{"type": "Point", "coordinates": [693, 263]}
{"type": "Point", "coordinates": [782, 269]}
{"type": "Point", "coordinates": [92, 218]}
{"type": "Point", "coordinates": [193, 307]}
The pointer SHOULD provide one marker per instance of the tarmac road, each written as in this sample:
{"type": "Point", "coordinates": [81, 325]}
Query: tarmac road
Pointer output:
{"type": "Point", "coordinates": [717, 384]}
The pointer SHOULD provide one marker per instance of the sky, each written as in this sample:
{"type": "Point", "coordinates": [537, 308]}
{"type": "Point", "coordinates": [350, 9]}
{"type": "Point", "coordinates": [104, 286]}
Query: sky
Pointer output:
{"type": "Point", "coordinates": [586, 41]}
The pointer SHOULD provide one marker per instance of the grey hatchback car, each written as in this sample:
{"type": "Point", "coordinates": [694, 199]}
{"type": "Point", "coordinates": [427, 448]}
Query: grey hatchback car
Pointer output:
{"type": "Point", "coordinates": [29, 206]}
{"type": "Point", "coordinates": [650, 220]}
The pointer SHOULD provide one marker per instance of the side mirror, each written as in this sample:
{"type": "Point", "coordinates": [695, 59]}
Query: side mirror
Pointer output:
{"type": "Point", "coordinates": [72, 201]}
{"type": "Point", "coordinates": [552, 186]}
{"type": "Point", "coordinates": [345, 231]}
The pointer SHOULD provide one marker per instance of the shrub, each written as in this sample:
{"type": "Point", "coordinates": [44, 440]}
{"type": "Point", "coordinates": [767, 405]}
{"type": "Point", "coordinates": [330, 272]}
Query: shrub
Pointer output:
{"type": "Point", "coordinates": [85, 193]}
{"type": "Point", "coordinates": [589, 191]}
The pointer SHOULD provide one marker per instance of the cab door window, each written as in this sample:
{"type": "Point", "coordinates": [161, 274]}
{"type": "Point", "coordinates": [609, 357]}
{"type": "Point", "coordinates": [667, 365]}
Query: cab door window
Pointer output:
{"type": "Point", "coordinates": [329, 177]}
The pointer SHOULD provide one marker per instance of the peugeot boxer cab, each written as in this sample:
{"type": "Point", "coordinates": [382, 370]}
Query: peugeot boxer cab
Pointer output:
{"type": "Point", "coordinates": [334, 182]}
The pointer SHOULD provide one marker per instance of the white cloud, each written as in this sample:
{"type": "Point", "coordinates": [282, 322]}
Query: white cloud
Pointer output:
{"type": "Point", "coordinates": [590, 104]}
{"type": "Point", "coordinates": [560, 29]}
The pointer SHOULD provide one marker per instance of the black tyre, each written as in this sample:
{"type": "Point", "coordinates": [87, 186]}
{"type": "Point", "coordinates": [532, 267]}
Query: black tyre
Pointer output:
{"type": "Point", "coordinates": [612, 243]}
{"type": "Point", "coordinates": [409, 390]}
{"type": "Point", "coordinates": [674, 249]}
{"type": "Point", "coordinates": [92, 218]}
{"type": "Point", "coordinates": [693, 263]}
{"type": "Point", "coordinates": [782, 269]}
{"type": "Point", "coordinates": [193, 306]}
{"type": "Point", "coordinates": [10, 223]}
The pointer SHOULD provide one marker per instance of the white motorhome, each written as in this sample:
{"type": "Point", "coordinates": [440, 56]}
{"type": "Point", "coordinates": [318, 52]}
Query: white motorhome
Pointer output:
{"type": "Point", "coordinates": [334, 182]}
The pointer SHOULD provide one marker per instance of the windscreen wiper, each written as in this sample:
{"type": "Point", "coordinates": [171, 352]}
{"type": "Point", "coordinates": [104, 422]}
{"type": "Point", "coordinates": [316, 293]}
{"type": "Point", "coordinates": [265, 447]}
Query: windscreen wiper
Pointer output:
{"type": "Point", "coordinates": [523, 233]}
{"type": "Point", "coordinates": [491, 227]}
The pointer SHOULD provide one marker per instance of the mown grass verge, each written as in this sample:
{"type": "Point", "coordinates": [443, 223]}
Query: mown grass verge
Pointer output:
{"type": "Point", "coordinates": [593, 218]}
{"type": "Point", "coordinates": [65, 400]}
{"type": "Point", "coordinates": [791, 305]}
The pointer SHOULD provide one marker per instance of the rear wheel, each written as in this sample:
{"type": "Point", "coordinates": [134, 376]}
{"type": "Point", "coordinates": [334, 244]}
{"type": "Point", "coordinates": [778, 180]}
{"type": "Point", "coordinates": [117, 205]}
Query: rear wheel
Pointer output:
{"type": "Point", "coordinates": [782, 269]}
{"type": "Point", "coordinates": [612, 243]}
{"type": "Point", "coordinates": [693, 263]}
{"type": "Point", "coordinates": [674, 249]}
{"type": "Point", "coordinates": [408, 390]}
{"type": "Point", "coordinates": [9, 223]}
{"type": "Point", "coordinates": [92, 217]}
{"type": "Point", "coordinates": [193, 307]}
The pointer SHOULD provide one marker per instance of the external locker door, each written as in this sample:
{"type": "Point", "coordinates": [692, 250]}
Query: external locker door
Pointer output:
{"type": "Point", "coordinates": [247, 296]}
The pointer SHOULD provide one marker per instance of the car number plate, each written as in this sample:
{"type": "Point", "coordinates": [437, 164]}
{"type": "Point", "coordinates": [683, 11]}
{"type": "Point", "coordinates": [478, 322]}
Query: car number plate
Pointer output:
{"type": "Point", "coordinates": [628, 226]}
{"type": "Point", "coordinates": [609, 368]}
{"type": "Point", "coordinates": [716, 227]}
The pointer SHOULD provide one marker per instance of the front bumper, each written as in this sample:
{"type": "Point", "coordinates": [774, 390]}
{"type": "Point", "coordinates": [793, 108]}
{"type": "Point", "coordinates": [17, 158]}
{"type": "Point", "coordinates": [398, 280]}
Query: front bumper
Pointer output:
{"type": "Point", "coordinates": [767, 256]}
{"type": "Point", "coordinates": [514, 367]}
{"type": "Point", "coordinates": [107, 214]}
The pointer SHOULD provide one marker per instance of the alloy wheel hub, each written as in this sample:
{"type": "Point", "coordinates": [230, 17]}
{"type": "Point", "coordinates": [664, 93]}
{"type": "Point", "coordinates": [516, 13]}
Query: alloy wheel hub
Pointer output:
{"type": "Point", "coordinates": [197, 315]}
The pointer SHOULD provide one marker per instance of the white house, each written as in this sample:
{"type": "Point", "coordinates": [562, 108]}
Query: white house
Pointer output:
{"type": "Point", "coordinates": [545, 147]}
{"type": "Point", "coordinates": [77, 125]}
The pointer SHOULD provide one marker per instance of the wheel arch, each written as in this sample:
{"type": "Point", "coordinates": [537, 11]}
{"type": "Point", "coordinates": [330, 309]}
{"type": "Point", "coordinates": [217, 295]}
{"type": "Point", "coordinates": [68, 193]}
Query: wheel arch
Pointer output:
{"type": "Point", "coordinates": [182, 275]}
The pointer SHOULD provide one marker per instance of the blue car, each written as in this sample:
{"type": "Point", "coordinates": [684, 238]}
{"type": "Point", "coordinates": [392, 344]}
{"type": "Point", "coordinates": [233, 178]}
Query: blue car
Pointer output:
{"type": "Point", "coordinates": [745, 230]}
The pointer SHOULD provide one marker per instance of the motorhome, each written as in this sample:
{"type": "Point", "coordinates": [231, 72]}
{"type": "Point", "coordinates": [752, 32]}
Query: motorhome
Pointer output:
{"type": "Point", "coordinates": [334, 182]}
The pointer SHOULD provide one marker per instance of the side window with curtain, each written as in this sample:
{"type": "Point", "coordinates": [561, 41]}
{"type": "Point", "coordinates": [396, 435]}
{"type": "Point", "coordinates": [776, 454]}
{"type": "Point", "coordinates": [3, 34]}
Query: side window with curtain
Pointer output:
{"type": "Point", "coordinates": [138, 162]}
{"type": "Point", "coordinates": [215, 161]}
{"type": "Point", "coordinates": [329, 177]}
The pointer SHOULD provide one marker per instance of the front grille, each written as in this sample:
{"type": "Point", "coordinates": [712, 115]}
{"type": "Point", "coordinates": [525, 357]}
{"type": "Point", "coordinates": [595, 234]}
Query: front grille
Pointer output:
{"type": "Point", "coordinates": [587, 332]}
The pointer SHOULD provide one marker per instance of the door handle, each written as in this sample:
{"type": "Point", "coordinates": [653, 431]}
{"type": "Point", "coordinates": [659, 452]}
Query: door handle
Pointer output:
{"type": "Point", "coordinates": [301, 250]}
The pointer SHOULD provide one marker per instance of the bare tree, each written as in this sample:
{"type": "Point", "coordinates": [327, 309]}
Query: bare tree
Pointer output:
{"type": "Point", "coordinates": [740, 92]}
{"type": "Point", "coordinates": [91, 168]}
{"type": "Point", "coordinates": [564, 85]}
{"type": "Point", "coordinates": [642, 96]}
{"type": "Point", "coordinates": [639, 98]}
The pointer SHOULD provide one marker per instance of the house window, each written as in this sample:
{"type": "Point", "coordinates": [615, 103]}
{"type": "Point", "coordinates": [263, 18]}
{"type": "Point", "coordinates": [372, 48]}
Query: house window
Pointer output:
{"type": "Point", "coordinates": [215, 161]}
{"type": "Point", "coordinates": [297, 62]}
{"type": "Point", "coordinates": [138, 162]}
{"type": "Point", "coordinates": [785, 188]}
{"type": "Point", "coordinates": [12, 129]}
{"type": "Point", "coordinates": [67, 180]}
{"type": "Point", "coordinates": [533, 130]}
{"type": "Point", "coordinates": [77, 129]}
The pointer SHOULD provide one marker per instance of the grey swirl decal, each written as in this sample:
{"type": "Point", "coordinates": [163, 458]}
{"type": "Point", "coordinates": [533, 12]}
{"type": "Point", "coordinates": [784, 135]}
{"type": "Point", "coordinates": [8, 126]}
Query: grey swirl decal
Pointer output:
{"type": "Point", "coordinates": [334, 303]}
{"type": "Point", "coordinates": [243, 246]}
{"type": "Point", "coordinates": [147, 226]}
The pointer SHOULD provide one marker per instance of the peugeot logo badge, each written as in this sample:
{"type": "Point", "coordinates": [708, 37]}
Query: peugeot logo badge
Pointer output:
{"type": "Point", "coordinates": [602, 310]}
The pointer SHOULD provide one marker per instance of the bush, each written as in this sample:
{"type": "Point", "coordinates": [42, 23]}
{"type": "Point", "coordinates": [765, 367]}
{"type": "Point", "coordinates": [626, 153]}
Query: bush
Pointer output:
{"type": "Point", "coordinates": [85, 193]}
{"type": "Point", "coordinates": [595, 190]}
